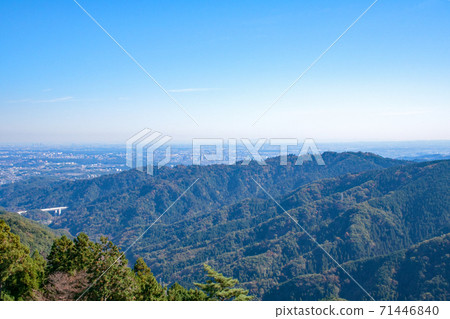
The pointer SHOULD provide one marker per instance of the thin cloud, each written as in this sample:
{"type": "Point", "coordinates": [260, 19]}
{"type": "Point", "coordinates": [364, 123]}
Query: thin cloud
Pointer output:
{"type": "Point", "coordinates": [404, 113]}
{"type": "Point", "coordinates": [191, 90]}
{"type": "Point", "coordinates": [55, 100]}
{"type": "Point", "coordinates": [59, 99]}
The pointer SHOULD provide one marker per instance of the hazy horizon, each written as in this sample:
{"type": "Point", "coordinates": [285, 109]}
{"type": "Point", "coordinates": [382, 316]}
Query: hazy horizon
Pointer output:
{"type": "Point", "coordinates": [65, 81]}
{"type": "Point", "coordinates": [442, 146]}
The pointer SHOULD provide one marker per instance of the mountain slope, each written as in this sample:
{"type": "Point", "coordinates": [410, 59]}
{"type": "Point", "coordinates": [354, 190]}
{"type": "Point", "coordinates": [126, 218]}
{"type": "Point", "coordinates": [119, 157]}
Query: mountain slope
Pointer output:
{"type": "Point", "coordinates": [32, 234]}
{"type": "Point", "coordinates": [420, 273]}
{"type": "Point", "coordinates": [354, 216]}
{"type": "Point", "coordinates": [115, 204]}
{"type": "Point", "coordinates": [375, 206]}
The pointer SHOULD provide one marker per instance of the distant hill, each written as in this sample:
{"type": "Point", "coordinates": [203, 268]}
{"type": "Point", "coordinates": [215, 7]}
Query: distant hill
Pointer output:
{"type": "Point", "coordinates": [421, 272]}
{"type": "Point", "coordinates": [426, 157]}
{"type": "Point", "coordinates": [32, 234]}
{"type": "Point", "coordinates": [108, 204]}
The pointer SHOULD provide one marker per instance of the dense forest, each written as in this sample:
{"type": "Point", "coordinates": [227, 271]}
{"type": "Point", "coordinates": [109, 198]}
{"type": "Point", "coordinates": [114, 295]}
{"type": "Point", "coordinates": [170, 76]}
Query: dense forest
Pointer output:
{"type": "Point", "coordinates": [81, 269]}
{"type": "Point", "coordinates": [35, 236]}
{"type": "Point", "coordinates": [105, 205]}
{"type": "Point", "coordinates": [354, 216]}
{"type": "Point", "coordinates": [420, 273]}
{"type": "Point", "coordinates": [372, 214]}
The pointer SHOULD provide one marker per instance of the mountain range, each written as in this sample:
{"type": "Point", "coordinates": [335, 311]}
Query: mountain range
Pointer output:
{"type": "Point", "coordinates": [263, 224]}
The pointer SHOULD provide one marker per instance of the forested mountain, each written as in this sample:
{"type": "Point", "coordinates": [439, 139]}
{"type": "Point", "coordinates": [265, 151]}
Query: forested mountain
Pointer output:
{"type": "Point", "coordinates": [420, 273]}
{"type": "Point", "coordinates": [113, 204]}
{"type": "Point", "coordinates": [32, 234]}
{"type": "Point", "coordinates": [354, 216]}
{"type": "Point", "coordinates": [357, 206]}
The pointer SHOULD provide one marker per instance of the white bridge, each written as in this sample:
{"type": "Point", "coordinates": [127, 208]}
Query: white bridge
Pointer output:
{"type": "Point", "coordinates": [55, 210]}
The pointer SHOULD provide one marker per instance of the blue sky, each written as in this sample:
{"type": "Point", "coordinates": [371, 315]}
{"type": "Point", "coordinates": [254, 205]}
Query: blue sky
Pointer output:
{"type": "Point", "coordinates": [63, 80]}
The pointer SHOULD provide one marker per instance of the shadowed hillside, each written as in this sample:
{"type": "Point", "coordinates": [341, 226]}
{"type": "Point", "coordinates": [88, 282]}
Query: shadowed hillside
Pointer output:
{"type": "Point", "coordinates": [419, 273]}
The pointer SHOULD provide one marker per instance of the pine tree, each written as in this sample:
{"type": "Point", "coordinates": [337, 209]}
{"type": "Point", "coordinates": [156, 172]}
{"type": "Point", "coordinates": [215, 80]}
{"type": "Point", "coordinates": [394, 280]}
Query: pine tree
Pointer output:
{"type": "Point", "coordinates": [68, 262]}
{"type": "Point", "coordinates": [148, 287]}
{"type": "Point", "coordinates": [176, 292]}
{"type": "Point", "coordinates": [84, 252]}
{"type": "Point", "coordinates": [39, 265]}
{"type": "Point", "coordinates": [61, 256]}
{"type": "Point", "coordinates": [112, 279]}
{"type": "Point", "coordinates": [221, 287]}
{"type": "Point", "coordinates": [19, 274]}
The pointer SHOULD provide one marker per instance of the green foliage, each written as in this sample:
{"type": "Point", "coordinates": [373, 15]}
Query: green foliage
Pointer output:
{"type": "Point", "coordinates": [44, 218]}
{"type": "Point", "coordinates": [70, 256]}
{"type": "Point", "coordinates": [222, 288]}
{"type": "Point", "coordinates": [39, 265]}
{"type": "Point", "coordinates": [354, 216]}
{"type": "Point", "coordinates": [80, 268]}
{"type": "Point", "coordinates": [103, 263]}
{"type": "Point", "coordinates": [109, 278]}
{"type": "Point", "coordinates": [359, 206]}
{"type": "Point", "coordinates": [112, 278]}
{"type": "Point", "coordinates": [176, 292]}
{"type": "Point", "coordinates": [419, 273]}
{"type": "Point", "coordinates": [84, 252]}
{"type": "Point", "coordinates": [20, 274]}
{"type": "Point", "coordinates": [61, 256]}
{"type": "Point", "coordinates": [32, 234]}
{"type": "Point", "coordinates": [148, 287]}
{"type": "Point", "coordinates": [115, 204]}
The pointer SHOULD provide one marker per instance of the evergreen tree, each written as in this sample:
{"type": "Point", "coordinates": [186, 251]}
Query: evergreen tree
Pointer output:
{"type": "Point", "coordinates": [84, 252]}
{"type": "Point", "coordinates": [61, 256]}
{"type": "Point", "coordinates": [222, 288]}
{"type": "Point", "coordinates": [19, 274]}
{"type": "Point", "coordinates": [112, 279]}
{"type": "Point", "coordinates": [39, 264]}
{"type": "Point", "coordinates": [176, 292]}
{"type": "Point", "coordinates": [148, 286]}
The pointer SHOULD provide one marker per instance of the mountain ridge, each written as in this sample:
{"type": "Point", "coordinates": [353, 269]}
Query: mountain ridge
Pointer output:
{"type": "Point", "coordinates": [358, 206]}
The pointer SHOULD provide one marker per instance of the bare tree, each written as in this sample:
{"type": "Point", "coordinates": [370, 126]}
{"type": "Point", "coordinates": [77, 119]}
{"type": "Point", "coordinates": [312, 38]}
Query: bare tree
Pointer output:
{"type": "Point", "coordinates": [63, 286]}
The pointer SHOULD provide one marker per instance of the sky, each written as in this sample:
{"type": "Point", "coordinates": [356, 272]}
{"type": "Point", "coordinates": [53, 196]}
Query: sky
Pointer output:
{"type": "Point", "coordinates": [63, 80]}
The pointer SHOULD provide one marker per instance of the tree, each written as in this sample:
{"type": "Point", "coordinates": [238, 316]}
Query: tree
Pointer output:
{"type": "Point", "coordinates": [109, 275]}
{"type": "Point", "coordinates": [176, 292]}
{"type": "Point", "coordinates": [84, 252]}
{"type": "Point", "coordinates": [63, 286]}
{"type": "Point", "coordinates": [19, 274]}
{"type": "Point", "coordinates": [61, 257]}
{"type": "Point", "coordinates": [39, 264]}
{"type": "Point", "coordinates": [221, 287]}
{"type": "Point", "coordinates": [148, 287]}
